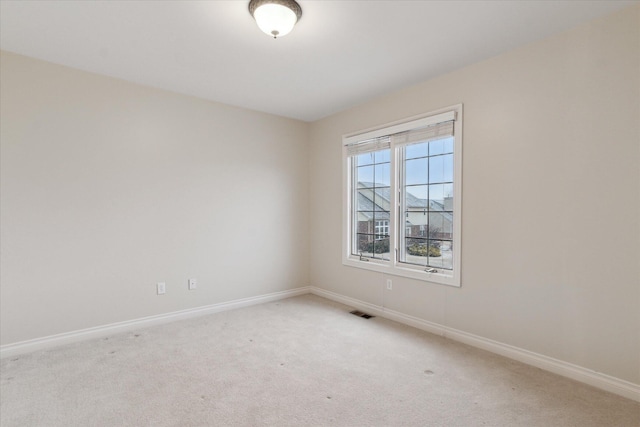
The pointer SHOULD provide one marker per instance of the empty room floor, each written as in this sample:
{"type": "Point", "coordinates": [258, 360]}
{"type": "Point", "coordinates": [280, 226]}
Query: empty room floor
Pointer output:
{"type": "Point", "coordinates": [299, 361]}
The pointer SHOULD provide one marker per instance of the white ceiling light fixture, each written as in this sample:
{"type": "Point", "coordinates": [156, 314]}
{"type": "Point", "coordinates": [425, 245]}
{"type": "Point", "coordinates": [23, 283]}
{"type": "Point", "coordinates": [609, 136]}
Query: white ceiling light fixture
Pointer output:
{"type": "Point", "coordinates": [275, 17]}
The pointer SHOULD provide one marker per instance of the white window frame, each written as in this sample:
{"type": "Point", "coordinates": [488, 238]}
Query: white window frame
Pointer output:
{"type": "Point", "coordinates": [394, 266]}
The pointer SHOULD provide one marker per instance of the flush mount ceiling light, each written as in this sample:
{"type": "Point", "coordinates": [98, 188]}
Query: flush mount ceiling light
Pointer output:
{"type": "Point", "coordinates": [275, 17]}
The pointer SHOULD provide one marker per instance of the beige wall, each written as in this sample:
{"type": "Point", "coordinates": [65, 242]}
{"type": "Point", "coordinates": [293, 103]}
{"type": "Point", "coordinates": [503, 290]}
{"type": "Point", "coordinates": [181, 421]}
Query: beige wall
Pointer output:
{"type": "Point", "coordinates": [109, 187]}
{"type": "Point", "coordinates": [551, 198]}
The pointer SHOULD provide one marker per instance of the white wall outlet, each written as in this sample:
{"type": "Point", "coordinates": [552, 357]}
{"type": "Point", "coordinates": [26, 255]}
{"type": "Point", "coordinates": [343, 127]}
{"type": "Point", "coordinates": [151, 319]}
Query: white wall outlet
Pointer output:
{"type": "Point", "coordinates": [389, 284]}
{"type": "Point", "coordinates": [161, 287]}
{"type": "Point", "coordinates": [193, 284]}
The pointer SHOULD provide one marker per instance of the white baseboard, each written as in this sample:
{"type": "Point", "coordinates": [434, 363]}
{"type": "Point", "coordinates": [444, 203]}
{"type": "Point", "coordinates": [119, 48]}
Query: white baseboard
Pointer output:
{"type": "Point", "coordinates": [22, 347]}
{"type": "Point", "coordinates": [578, 373]}
{"type": "Point", "coordinates": [596, 379]}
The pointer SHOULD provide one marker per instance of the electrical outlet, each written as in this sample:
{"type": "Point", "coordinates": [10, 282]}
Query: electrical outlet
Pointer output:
{"type": "Point", "coordinates": [389, 284]}
{"type": "Point", "coordinates": [161, 287]}
{"type": "Point", "coordinates": [193, 284]}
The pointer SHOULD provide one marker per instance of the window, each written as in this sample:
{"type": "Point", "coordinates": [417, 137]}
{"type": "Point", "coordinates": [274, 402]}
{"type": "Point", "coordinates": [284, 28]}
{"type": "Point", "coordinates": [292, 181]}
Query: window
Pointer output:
{"type": "Point", "coordinates": [402, 197]}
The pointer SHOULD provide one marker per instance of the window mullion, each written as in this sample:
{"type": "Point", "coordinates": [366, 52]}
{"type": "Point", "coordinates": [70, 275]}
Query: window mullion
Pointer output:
{"type": "Point", "coordinates": [393, 208]}
{"type": "Point", "coordinates": [354, 204]}
{"type": "Point", "coordinates": [401, 226]}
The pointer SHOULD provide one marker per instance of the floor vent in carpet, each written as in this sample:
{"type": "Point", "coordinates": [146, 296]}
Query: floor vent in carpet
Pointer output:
{"type": "Point", "coordinates": [361, 314]}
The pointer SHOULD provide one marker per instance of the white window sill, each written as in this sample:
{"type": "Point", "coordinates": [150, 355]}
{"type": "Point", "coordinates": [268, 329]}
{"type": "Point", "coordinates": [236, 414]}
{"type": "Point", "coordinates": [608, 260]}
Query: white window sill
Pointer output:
{"type": "Point", "coordinates": [387, 267]}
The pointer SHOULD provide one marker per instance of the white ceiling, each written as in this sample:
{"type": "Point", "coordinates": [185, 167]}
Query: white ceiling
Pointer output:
{"type": "Point", "coordinates": [340, 54]}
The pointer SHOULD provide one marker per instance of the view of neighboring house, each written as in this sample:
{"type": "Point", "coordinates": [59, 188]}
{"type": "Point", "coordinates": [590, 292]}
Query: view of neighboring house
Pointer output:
{"type": "Point", "coordinates": [428, 222]}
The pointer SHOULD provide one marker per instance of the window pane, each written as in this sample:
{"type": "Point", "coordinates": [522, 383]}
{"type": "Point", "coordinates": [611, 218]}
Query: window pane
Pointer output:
{"type": "Point", "coordinates": [441, 168]}
{"type": "Point", "coordinates": [440, 255]}
{"type": "Point", "coordinates": [416, 171]}
{"type": "Point", "coordinates": [365, 219]}
{"type": "Point", "coordinates": [381, 199]}
{"type": "Point", "coordinates": [436, 169]}
{"type": "Point", "coordinates": [365, 159]}
{"type": "Point", "coordinates": [415, 212]}
{"type": "Point", "coordinates": [365, 244]}
{"type": "Point", "coordinates": [441, 225]}
{"type": "Point", "coordinates": [364, 176]}
{"type": "Point", "coordinates": [441, 197]}
{"type": "Point", "coordinates": [417, 150]}
{"type": "Point", "coordinates": [382, 175]}
{"type": "Point", "coordinates": [382, 156]}
{"type": "Point", "coordinates": [447, 161]}
{"type": "Point", "coordinates": [448, 145]}
{"type": "Point", "coordinates": [430, 253]}
{"type": "Point", "coordinates": [373, 199]}
{"type": "Point", "coordinates": [381, 248]}
{"type": "Point", "coordinates": [381, 214]}
{"type": "Point", "coordinates": [441, 146]}
{"type": "Point", "coordinates": [436, 147]}
{"type": "Point", "coordinates": [416, 196]}
{"type": "Point", "coordinates": [416, 224]}
{"type": "Point", "coordinates": [381, 229]}
{"type": "Point", "coordinates": [370, 246]}
{"type": "Point", "coordinates": [416, 217]}
{"type": "Point", "coordinates": [416, 251]}
{"type": "Point", "coordinates": [365, 199]}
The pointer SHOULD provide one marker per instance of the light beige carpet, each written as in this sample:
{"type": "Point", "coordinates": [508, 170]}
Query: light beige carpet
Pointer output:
{"type": "Point", "coordinates": [300, 361]}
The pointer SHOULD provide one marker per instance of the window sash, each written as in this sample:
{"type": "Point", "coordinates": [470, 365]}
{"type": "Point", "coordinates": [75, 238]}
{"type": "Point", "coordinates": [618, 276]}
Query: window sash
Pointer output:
{"type": "Point", "coordinates": [367, 241]}
{"type": "Point", "coordinates": [433, 248]}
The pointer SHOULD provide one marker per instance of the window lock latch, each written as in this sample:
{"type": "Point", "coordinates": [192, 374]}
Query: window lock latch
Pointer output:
{"type": "Point", "coordinates": [363, 258]}
{"type": "Point", "coordinates": [430, 270]}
